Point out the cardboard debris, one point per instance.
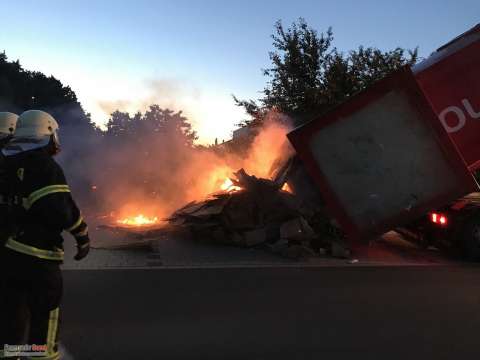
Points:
(259, 215)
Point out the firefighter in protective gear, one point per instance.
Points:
(8, 122)
(43, 208)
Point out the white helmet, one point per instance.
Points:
(36, 124)
(8, 122)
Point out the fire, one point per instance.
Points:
(139, 220)
(287, 188)
(207, 171)
(269, 145)
(229, 186)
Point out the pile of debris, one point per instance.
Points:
(253, 212)
(256, 212)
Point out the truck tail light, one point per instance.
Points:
(439, 219)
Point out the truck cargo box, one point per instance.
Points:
(382, 158)
(450, 78)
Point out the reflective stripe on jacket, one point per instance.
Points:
(48, 207)
(33, 251)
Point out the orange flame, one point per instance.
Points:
(287, 188)
(229, 187)
(139, 220)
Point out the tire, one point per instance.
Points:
(471, 238)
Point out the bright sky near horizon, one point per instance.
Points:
(193, 55)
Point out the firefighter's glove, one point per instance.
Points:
(83, 247)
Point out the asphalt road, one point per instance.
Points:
(273, 313)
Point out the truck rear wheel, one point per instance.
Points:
(471, 238)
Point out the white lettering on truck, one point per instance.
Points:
(470, 110)
(461, 118)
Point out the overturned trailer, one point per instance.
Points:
(393, 154)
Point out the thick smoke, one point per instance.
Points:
(122, 180)
(168, 93)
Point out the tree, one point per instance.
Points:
(155, 122)
(141, 137)
(119, 124)
(309, 75)
(21, 90)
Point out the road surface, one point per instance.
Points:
(338, 312)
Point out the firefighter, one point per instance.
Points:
(8, 122)
(43, 207)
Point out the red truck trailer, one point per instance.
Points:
(401, 154)
(450, 79)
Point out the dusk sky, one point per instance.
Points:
(192, 55)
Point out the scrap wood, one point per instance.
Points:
(259, 215)
(281, 172)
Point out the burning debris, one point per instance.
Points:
(254, 212)
(139, 220)
(250, 212)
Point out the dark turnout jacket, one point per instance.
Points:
(3, 170)
(44, 205)
(4, 220)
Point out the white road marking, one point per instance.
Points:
(345, 264)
